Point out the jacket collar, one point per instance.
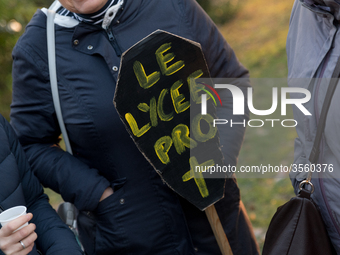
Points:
(323, 7)
(130, 10)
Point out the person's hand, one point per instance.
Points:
(22, 241)
(107, 192)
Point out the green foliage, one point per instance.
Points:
(16, 13)
(206, 4)
(220, 11)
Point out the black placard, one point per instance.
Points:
(154, 100)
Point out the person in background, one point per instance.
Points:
(125, 208)
(19, 186)
(313, 49)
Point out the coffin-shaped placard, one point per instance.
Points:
(159, 101)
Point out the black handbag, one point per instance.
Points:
(297, 227)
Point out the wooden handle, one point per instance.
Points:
(218, 230)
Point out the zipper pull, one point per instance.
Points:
(113, 41)
(110, 34)
(108, 17)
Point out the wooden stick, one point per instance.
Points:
(218, 230)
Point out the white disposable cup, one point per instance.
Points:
(12, 214)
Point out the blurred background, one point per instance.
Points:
(256, 30)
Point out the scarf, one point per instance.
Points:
(95, 18)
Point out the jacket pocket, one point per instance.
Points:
(111, 237)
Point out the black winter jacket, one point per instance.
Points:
(143, 216)
(19, 186)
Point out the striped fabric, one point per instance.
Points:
(94, 18)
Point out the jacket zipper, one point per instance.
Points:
(1, 209)
(113, 41)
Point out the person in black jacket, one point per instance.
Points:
(19, 186)
(124, 206)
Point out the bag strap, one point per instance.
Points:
(313, 158)
(314, 155)
(53, 76)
